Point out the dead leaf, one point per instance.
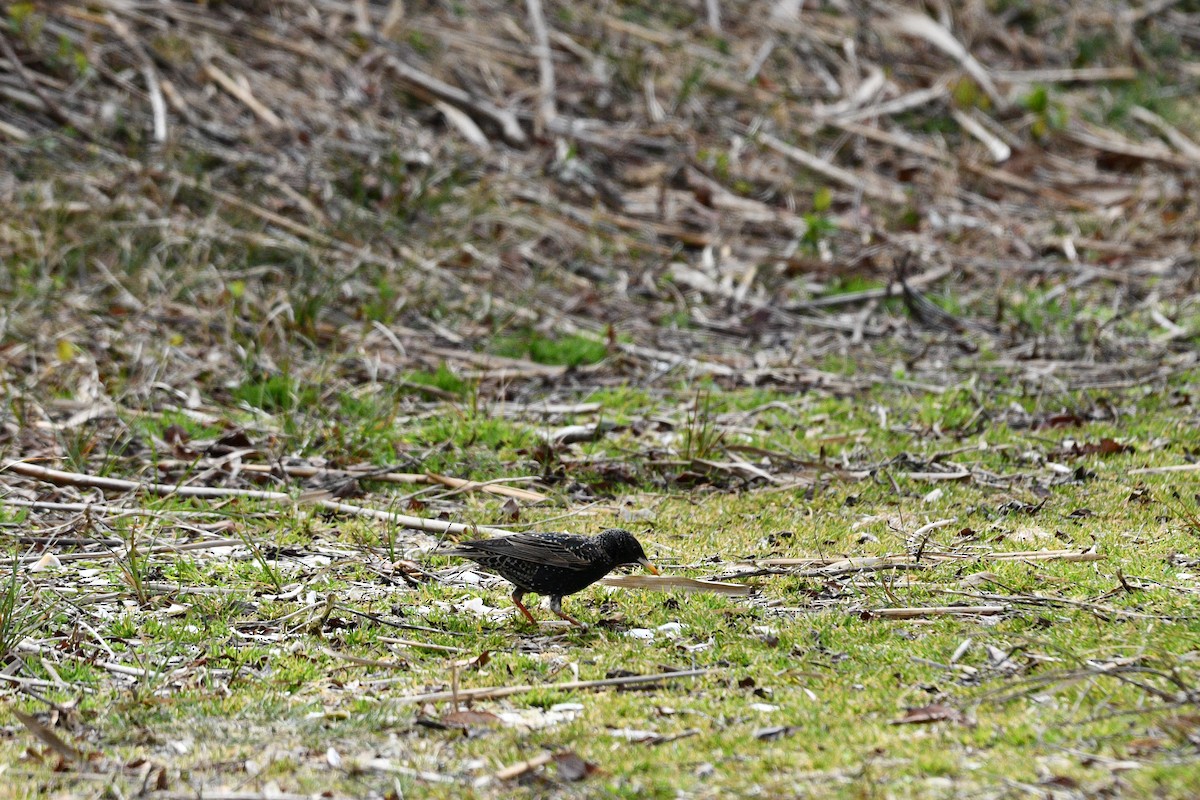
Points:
(935, 712)
(47, 736)
(573, 768)
(478, 661)
(1107, 447)
(236, 439)
(976, 578)
(511, 510)
(1140, 494)
(409, 568)
(1060, 421)
(613, 620)
(1147, 745)
(1104, 447)
(48, 561)
(1019, 506)
(176, 435)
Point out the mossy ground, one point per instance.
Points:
(1086, 679)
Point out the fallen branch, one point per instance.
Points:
(523, 767)
(1164, 470)
(508, 691)
(367, 662)
(442, 648)
(1102, 611)
(97, 555)
(859, 564)
(158, 107)
(1065, 75)
(934, 611)
(878, 293)
(1106, 141)
(668, 583)
(546, 106)
(897, 105)
(243, 95)
(999, 150)
(61, 478)
(920, 25)
(873, 186)
(938, 476)
(1046, 555)
(304, 471)
(409, 74)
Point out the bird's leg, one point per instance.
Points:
(556, 607)
(516, 598)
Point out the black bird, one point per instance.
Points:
(554, 564)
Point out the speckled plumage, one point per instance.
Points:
(554, 564)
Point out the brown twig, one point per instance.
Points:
(541, 36)
(508, 691)
(61, 478)
(495, 486)
(913, 612)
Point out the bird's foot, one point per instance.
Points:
(556, 607)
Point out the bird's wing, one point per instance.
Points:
(526, 547)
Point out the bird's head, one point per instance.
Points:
(625, 548)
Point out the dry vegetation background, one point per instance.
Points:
(249, 211)
(219, 183)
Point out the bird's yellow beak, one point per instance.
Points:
(645, 562)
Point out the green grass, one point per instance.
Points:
(443, 378)
(801, 655)
(569, 351)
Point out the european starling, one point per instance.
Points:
(554, 564)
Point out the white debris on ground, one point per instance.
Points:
(668, 630)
